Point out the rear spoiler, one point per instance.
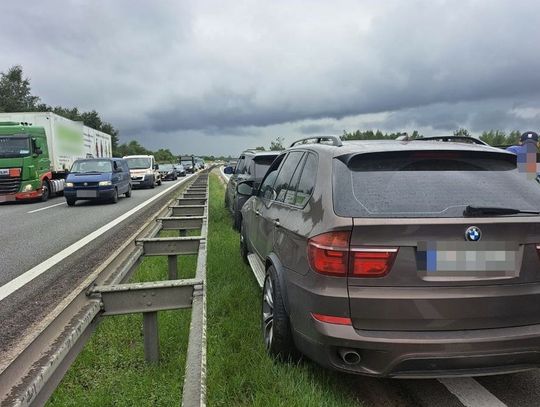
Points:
(351, 158)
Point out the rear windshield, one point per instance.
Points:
(430, 184)
(262, 163)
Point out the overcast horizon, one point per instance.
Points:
(217, 77)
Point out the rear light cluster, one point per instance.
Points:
(331, 254)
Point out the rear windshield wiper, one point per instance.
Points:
(472, 211)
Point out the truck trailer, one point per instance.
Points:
(37, 150)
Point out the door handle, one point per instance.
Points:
(276, 223)
(257, 213)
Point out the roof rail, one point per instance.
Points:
(336, 141)
(469, 139)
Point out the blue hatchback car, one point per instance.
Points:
(97, 179)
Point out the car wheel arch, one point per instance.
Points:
(273, 260)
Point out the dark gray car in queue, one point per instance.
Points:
(251, 166)
(397, 258)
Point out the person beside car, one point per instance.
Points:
(526, 152)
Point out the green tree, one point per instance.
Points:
(277, 144)
(164, 156)
(377, 135)
(15, 91)
(462, 132)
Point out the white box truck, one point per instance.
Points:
(38, 149)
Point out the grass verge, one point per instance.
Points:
(111, 370)
(239, 371)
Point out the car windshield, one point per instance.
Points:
(14, 146)
(430, 184)
(138, 163)
(187, 162)
(91, 166)
(166, 167)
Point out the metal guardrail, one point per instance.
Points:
(32, 375)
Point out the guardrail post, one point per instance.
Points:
(173, 267)
(151, 337)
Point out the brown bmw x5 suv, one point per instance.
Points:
(397, 258)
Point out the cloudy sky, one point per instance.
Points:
(214, 77)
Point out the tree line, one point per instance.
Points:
(492, 137)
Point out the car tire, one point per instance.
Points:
(128, 193)
(114, 199)
(45, 191)
(275, 326)
(70, 202)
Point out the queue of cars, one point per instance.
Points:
(396, 258)
(105, 179)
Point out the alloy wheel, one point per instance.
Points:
(268, 312)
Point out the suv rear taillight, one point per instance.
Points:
(372, 261)
(331, 254)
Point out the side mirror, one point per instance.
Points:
(245, 188)
(228, 170)
(38, 151)
(156, 167)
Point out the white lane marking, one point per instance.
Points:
(46, 207)
(471, 393)
(9, 288)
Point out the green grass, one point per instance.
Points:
(239, 371)
(111, 370)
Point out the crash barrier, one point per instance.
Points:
(31, 377)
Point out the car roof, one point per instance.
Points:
(370, 146)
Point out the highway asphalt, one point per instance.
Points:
(33, 232)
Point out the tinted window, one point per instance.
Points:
(430, 184)
(267, 186)
(307, 181)
(285, 174)
(290, 191)
(262, 163)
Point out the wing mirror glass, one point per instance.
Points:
(228, 170)
(245, 188)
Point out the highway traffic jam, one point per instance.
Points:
(412, 263)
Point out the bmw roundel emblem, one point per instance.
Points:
(86, 184)
(473, 234)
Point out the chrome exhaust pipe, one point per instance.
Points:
(349, 356)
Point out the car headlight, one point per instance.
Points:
(69, 184)
(105, 183)
(28, 188)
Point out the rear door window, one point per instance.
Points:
(434, 183)
(285, 174)
(307, 181)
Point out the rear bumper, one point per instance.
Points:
(424, 354)
(400, 353)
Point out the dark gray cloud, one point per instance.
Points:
(218, 76)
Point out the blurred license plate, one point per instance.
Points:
(86, 194)
(455, 258)
(4, 171)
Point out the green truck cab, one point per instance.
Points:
(25, 167)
